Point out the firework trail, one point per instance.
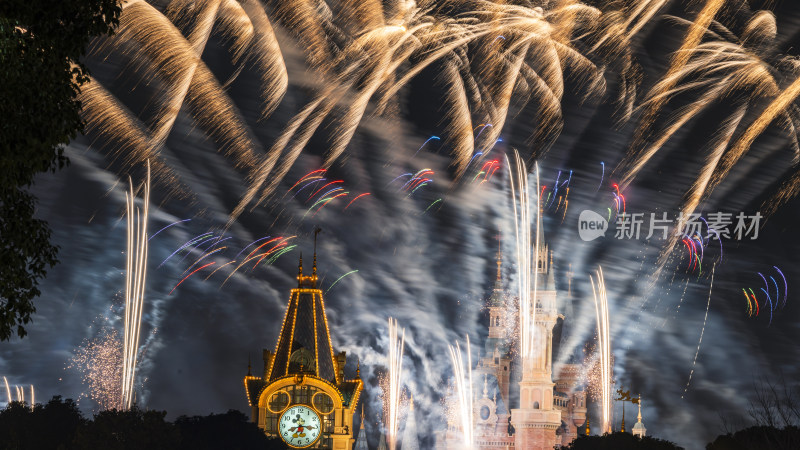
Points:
(395, 360)
(135, 281)
(603, 347)
(437, 138)
(340, 278)
(752, 299)
(356, 198)
(680, 58)
(522, 229)
(602, 175)
(745, 70)
(168, 226)
(464, 392)
(702, 331)
(20, 394)
(363, 52)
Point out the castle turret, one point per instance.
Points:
(639, 429)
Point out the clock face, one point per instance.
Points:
(299, 426)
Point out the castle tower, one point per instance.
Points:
(410, 440)
(361, 442)
(638, 428)
(303, 377)
(536, 420)
(571, 400)
(497, 360)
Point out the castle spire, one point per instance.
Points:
(300, 267)
(410, 440)
(638, 428)
(361, 441)
(497, 293)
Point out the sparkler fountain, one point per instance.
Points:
(395, 370)
(135, 278)
(603, 346)
(464, 393)
(20, 391)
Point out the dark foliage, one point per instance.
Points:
(758, 438)
(621, 441)
(59, 425)
(232, 430)
(41, 42)
(128, 430)
(775, 420)
(49, 426)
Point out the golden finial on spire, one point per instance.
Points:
(588, 430)
(358, 370)
(300, 266)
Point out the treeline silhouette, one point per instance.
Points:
(620, 441)
(60, 425)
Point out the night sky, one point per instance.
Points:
(431, 267)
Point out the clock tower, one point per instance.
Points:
(303, 381)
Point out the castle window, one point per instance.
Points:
(535, 405)
(278, 401)
(302, 394)
(271, 423)
(323, 402)
(485, 412)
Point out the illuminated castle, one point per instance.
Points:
(302, 395)
(523, 407)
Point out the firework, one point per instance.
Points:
(753, 307)
(716, 66)
(8, 390)
(392, 401)
(340, 278)
(702, 331)
(603, 347)
(135, 279)
(99, 360)
(20, 394)
(522, 228)
(463, 392)
(487, 54)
